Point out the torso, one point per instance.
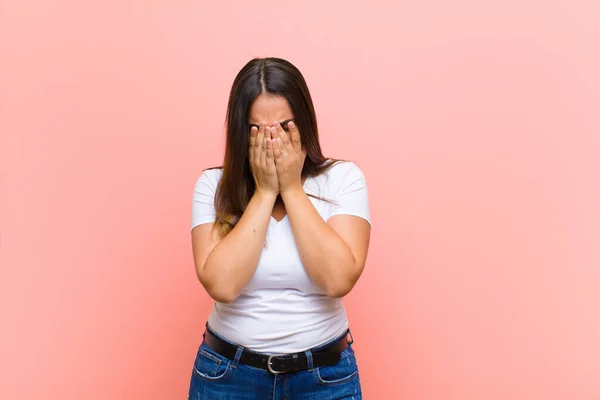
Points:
(281, 310)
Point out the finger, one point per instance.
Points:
(253, 133)
(269, 161)
(295, 136)
(263, 152)
(285, 139)
(277, 151)
(259, 142)
(282, 149)
(278, 130)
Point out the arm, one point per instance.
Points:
(225, 266)
(333, 253)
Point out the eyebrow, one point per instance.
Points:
(282, 123)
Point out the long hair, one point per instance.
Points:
(272, 76)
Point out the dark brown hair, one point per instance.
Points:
(262, 75)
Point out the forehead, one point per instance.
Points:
(269, 108)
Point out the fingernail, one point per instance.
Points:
(291, 124)
(276, 124)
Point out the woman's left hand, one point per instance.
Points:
(289, 157)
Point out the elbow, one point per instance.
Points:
(222, 297)
(344, 278)
(219, 292)
(337, 293)
(341, 286)
(339, 290)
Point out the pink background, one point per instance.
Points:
(476, 123)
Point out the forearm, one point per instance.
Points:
(327, 259)
(231, 264)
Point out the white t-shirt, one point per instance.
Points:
(281, 310)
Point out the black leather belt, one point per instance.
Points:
(278, 363)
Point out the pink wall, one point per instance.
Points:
(476, 123)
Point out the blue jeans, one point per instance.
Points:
(215, 377)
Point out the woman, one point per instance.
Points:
(280, 234)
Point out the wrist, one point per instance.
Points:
(265, 196)
(292, 191)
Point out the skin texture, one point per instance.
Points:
(333, 253)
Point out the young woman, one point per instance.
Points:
(280, 235)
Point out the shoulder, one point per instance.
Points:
(343, 170)
(210, 177)
(341, 177)
(208, 181)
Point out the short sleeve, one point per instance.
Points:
(352, 196)
(203, 199)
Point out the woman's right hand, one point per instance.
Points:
(262, 163)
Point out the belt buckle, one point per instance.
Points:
(270, 364)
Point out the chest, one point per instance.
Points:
(280, 265)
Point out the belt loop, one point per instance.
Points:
(238, 355)
(351, 341)
(309, 360)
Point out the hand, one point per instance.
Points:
(289, 157)
(261, 159)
